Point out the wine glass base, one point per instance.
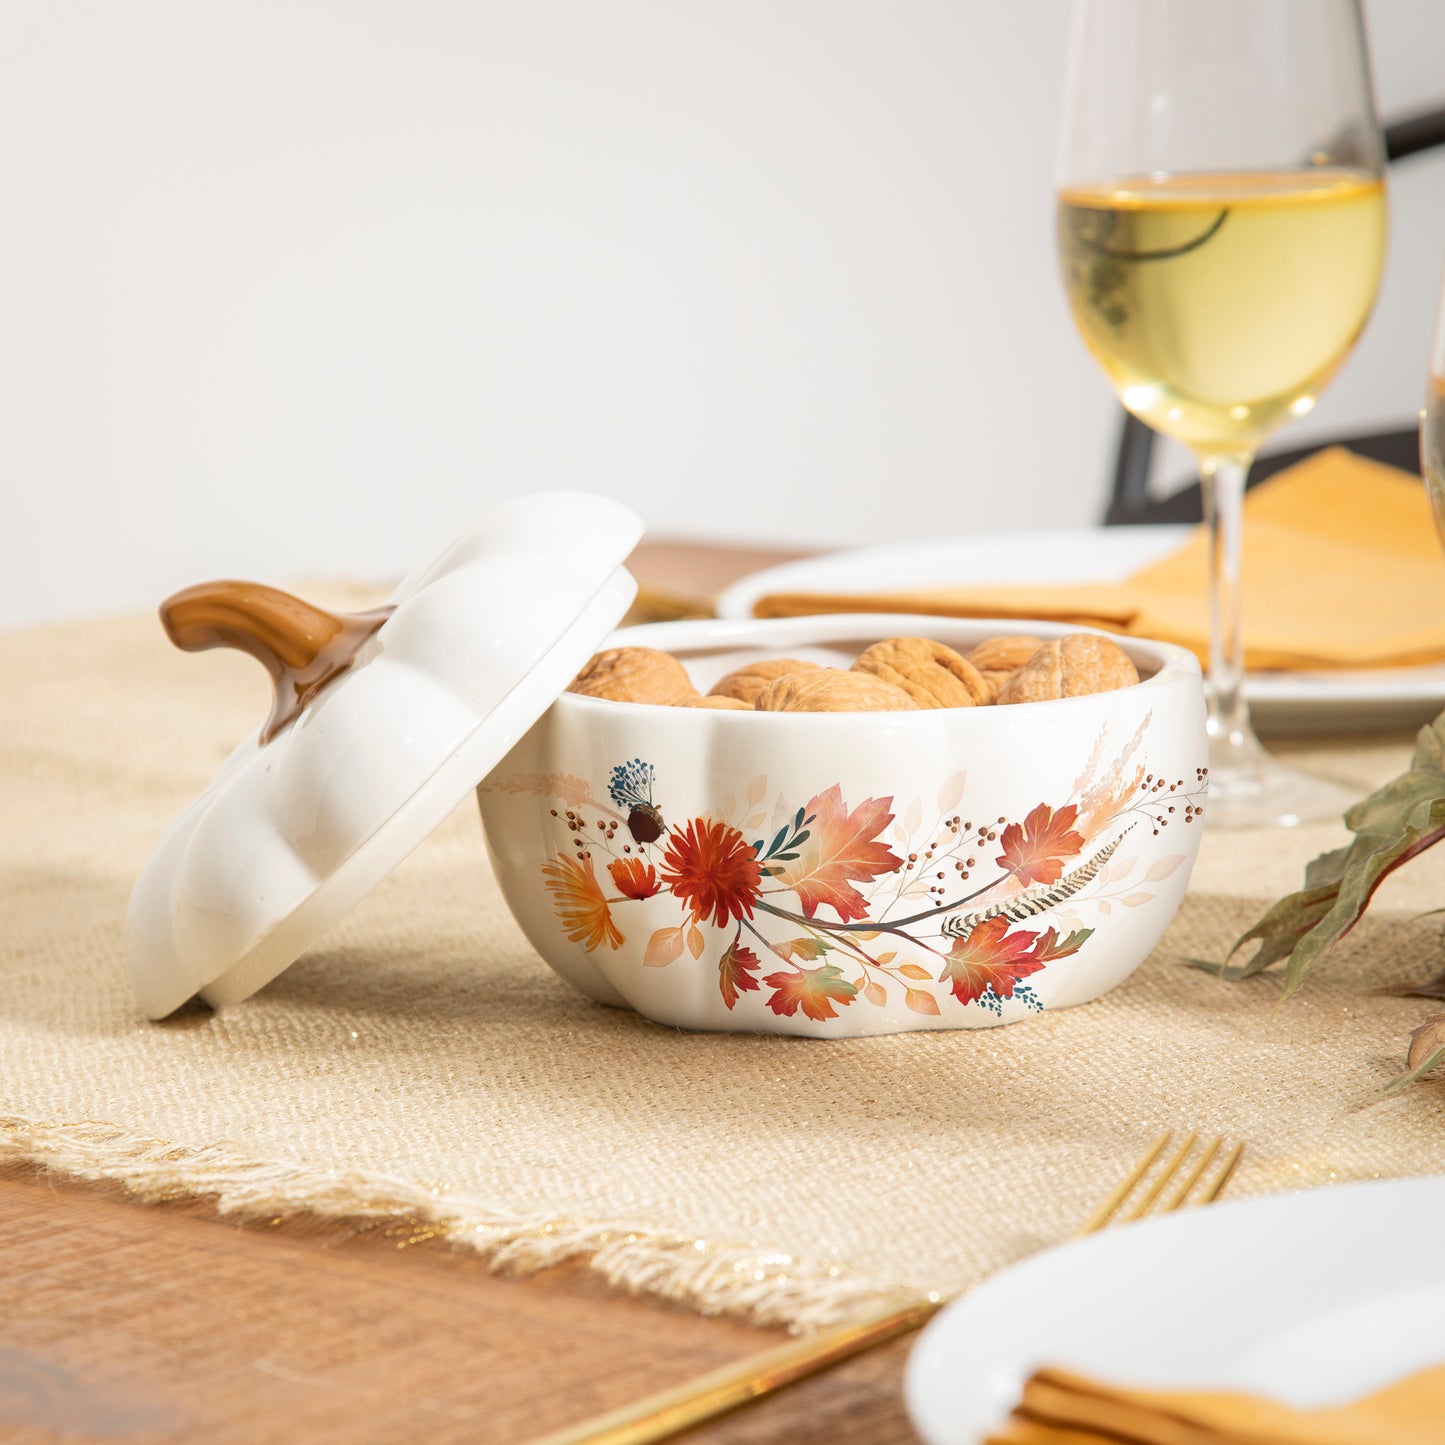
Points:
(1249, 789)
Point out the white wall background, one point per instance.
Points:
(305, 285)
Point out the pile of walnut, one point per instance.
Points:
(897, 675)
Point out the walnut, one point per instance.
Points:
(931, 673)
(830, 689)
(1070, 667)
(635, 674)
(730, 704)
(747, 681)
(1003, 654)
(998, 658)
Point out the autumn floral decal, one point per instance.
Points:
(835, 903)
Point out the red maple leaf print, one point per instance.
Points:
(737, 972)
(1034, 850)
(841, 849)
(814, 990)
(990, 957)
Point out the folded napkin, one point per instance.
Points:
(1342, 569)
(1059, 1408)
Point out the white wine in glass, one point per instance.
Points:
(1221, 230)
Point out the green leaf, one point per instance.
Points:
(1391, 826)
(1427, 1051)
(1415, 1075)
(1280, 930)
(1327, 868)
(1379, 855)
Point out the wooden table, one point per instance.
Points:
(161, 1323)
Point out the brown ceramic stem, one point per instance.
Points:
(302, 646)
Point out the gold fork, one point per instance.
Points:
(669, 1412)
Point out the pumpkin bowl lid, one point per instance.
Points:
(382, 724)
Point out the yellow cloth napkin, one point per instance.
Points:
(1342, 569)
(1059, 1408)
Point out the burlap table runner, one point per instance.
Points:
(423, 1062)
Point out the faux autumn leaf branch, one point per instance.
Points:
(1391, 826)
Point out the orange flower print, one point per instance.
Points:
(634, 878)
(578, 900)
(714, 870)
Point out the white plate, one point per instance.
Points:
(1312, 1299)
(1280, 701)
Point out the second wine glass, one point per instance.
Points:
(1222, 227)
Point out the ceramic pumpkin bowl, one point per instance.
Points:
(841, 874)
(823, 874)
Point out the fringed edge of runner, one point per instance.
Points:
(762, 1286)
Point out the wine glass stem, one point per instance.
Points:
(1222, 484)
(1246, 785)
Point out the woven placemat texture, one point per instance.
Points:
(423, 1062)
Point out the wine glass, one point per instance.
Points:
(1221, 228)
(1432, 422)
